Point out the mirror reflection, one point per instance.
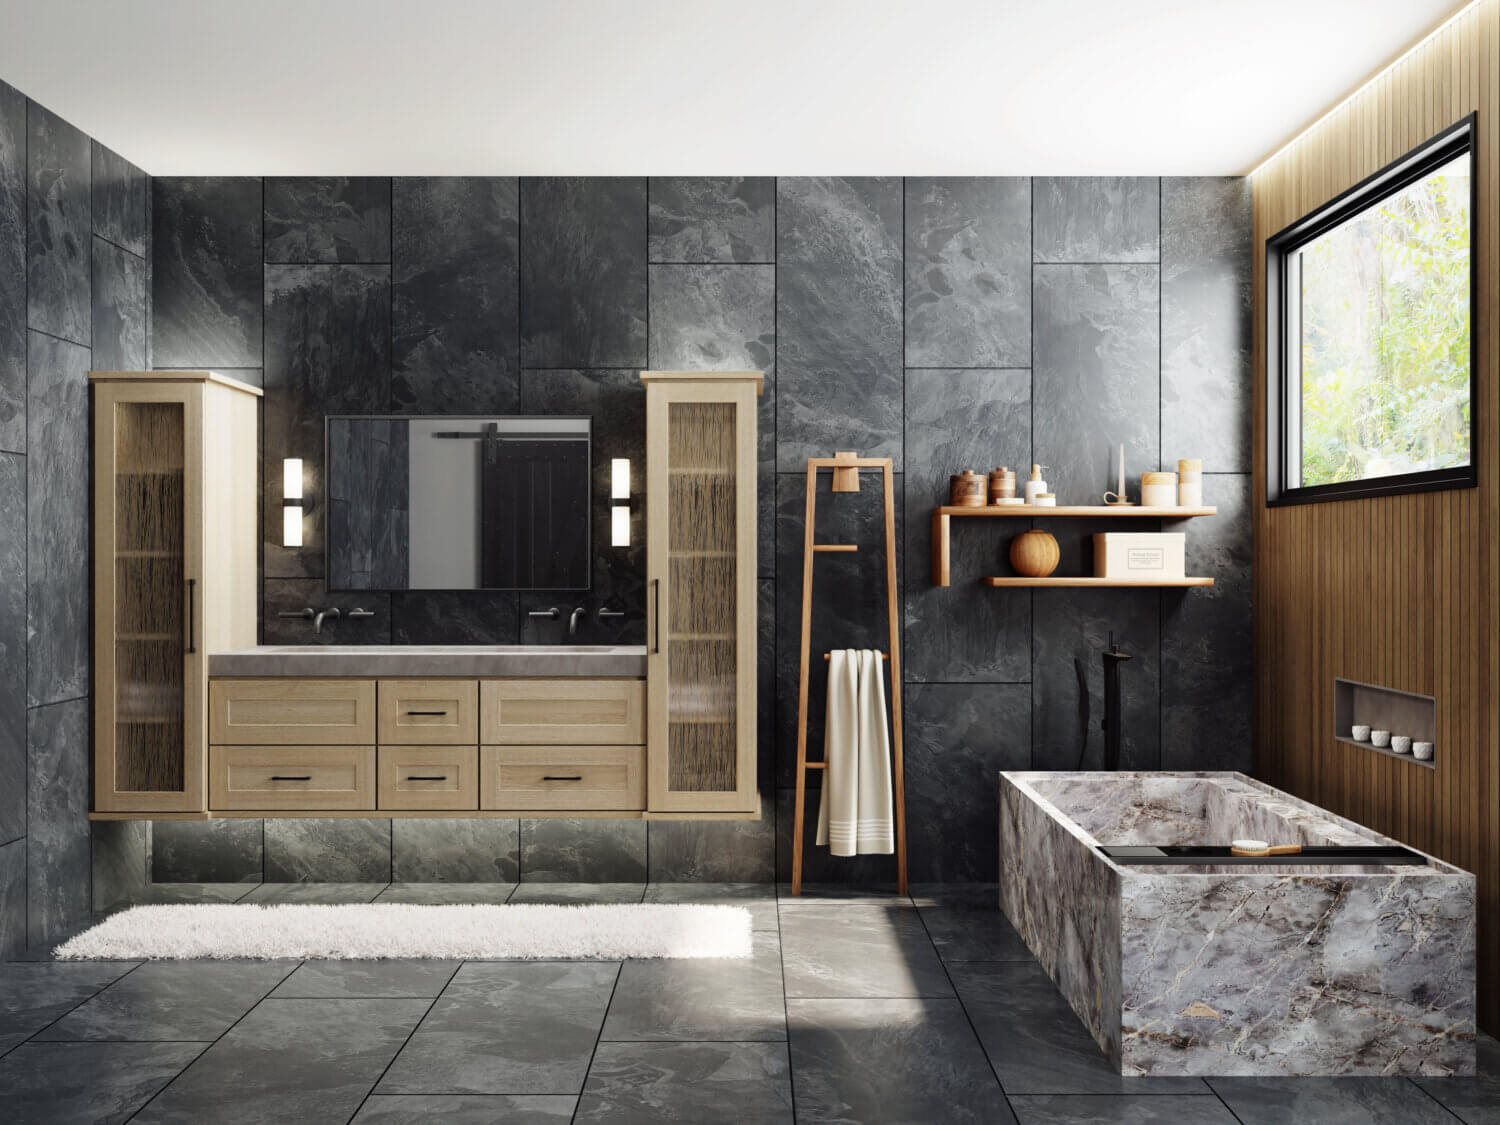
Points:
(458, 503)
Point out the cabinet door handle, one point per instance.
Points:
(192, 614)
(291, 777)
(426, 777)
(656, 615)
(427, 712)
(560, 777)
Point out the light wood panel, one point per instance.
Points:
(292, 712)
(1398, 591)
(568, 711)
(424, 712)
(175, 575)
(427, 777)
(701, 591)
(301, 778)
(562, 777)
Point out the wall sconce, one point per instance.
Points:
(619, 492)
(293, 505)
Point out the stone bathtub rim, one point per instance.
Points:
(1021, 780)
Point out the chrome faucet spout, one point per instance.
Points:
(578, 611)
(324, 615)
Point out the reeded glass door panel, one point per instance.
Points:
(150, 592)
(701, 602)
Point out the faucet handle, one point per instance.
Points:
(607, 614)
(307, 613)
(551, 614)
(359, 612)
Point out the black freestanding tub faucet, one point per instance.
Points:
(1112, 724)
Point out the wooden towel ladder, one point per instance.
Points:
(845, 467)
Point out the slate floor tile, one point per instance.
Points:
(1329, 1101)
(828, 894)
(965, 923)
(708, 999)
(172, 1000)
(508, 1027)
(100, 1083)
(758, 898)
(1033, 1039)
(890, 1061)
(644, 1083)
(1475, 1100)
(1123, 1109)
(465, 1109)
(442, 894)
(34, 993)
(327, 893)
(849, 951)
(394, 979)
(290, 1060)
(578, 894)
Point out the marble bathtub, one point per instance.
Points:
(1233, 970)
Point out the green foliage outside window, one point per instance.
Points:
(1385, 336)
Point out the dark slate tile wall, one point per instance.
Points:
(946, 323)
(12, 270)
(74, 233)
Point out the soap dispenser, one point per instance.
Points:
(1035, 485)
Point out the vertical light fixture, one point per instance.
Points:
(292, 503)
(619, 492)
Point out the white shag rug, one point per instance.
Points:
(369, 931)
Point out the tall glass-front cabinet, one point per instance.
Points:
(700, 597)
(175, 497)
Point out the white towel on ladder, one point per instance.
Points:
(854, 812)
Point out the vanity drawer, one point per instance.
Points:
(568, 712)
(428, 712)
(562, 777)
(291, 712)
(428, 777)
(291, 777)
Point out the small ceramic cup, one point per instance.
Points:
(1421, 751)
(1380, 738)
(1401, 743)
(1359, 733)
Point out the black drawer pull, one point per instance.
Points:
(291, 777)
(427, 712)
(558, 777)
(426, 777)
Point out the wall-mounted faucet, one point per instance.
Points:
(318, 616)
(578, 611)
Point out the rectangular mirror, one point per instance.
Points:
(457, 503)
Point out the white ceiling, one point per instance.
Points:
(615, 87)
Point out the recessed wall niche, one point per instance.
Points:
(1400, 712)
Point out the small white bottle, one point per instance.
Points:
(1036, 485)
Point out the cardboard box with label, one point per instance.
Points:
(1140, 554)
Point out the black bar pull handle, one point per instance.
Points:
(291, 777)
(192, 614)
(426, 777)
(560, 777)
(655, 614)
(427, 712)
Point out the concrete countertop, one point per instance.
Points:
(431, 660)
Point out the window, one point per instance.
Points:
(1369, 319)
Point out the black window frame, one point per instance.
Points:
(1460, 138)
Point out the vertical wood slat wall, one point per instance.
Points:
(1402, 591)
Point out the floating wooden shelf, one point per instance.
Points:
(835, 548)
(1075, 511)
(1098, 583)
(943, 514)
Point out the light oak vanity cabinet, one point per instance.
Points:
(701, 599)
(175, 554)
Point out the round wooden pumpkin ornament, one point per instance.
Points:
(1034, 554)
